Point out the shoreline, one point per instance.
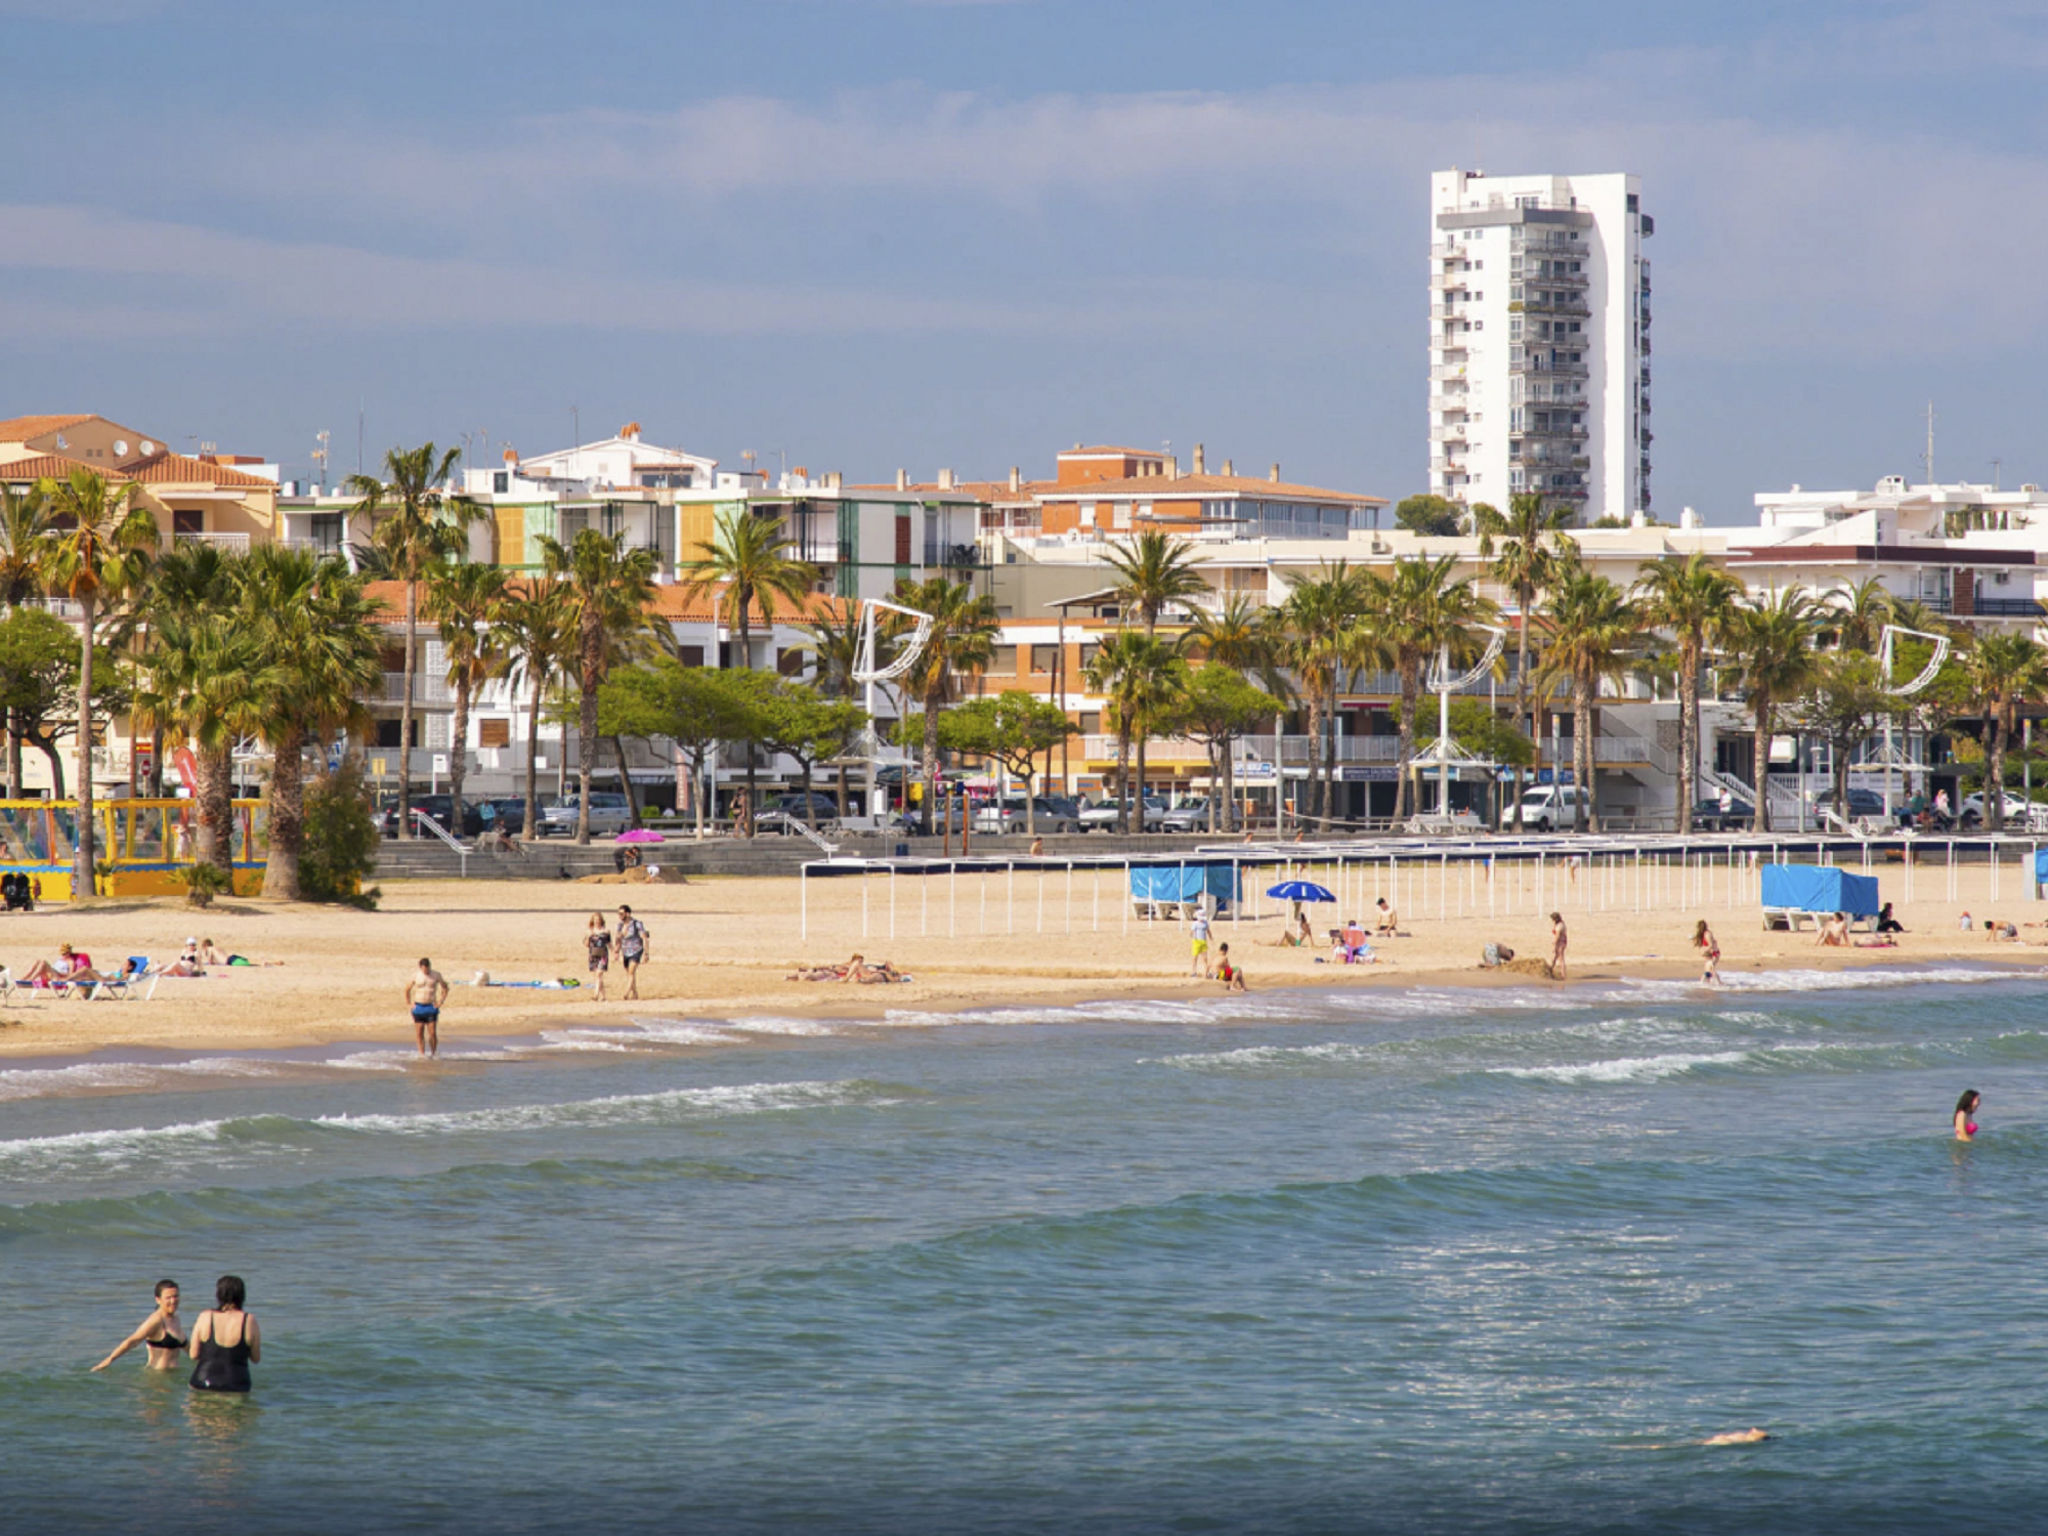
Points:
(339, 973)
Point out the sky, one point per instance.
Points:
(864, 234)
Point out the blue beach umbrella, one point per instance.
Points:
(1300, 890)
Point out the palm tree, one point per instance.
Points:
(415, 525)
(749, 555)
(1417, 612)
(2002, 672)
(1856, 615)
(1770, 639)
(203, 674)
(1318, 622)
(607, 591)
(1135, 674)
(24, 529)
(533, 631)
(1153, 572)
(1691, 597)
(1590, 625)
(962, 642)
(1534, 553)
(834, 645)
(1252, 638)
(463, 601)
(98, 551)
(316, 632)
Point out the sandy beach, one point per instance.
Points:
(724, 947)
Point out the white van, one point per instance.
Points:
(1545, 808)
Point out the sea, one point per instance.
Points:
(1388, 1259)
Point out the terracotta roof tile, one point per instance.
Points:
(53, 466)
(672, 602)
(177, 469)
(20, 429)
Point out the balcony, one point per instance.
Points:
(1447, 311)
(1541, 303)
(2009, 608)
(233, 543)
(1448, 371)
(427, 688)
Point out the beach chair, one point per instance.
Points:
(132, 975)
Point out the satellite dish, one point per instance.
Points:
(120, 447)
(148, 447)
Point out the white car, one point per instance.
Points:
(1546, 808)
(609, 815)
(1107, 816)
(2018, 811)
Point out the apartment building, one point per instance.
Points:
(1539, 340)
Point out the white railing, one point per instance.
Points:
(427, 688)
(237, 542)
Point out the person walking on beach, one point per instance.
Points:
(1559, 938)
(425, 994)
(1966, 1114)
(1198, 935)
(1709, 947)
(632, 942)
(225, 1340)
(160, 1333)
(597, 944)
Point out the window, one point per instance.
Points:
(494, 731)
(789, 662)
(1004, 662)
(690, 655)
(1091, 723)
(501, 481)
(187, 522)
(1043, 658)
(903, 538)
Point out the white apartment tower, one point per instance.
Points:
(1539, 350)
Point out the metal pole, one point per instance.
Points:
(803, 886)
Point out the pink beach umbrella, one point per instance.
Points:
(640, 835)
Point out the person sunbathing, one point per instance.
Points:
(69, 968)
(880, 971)
(1387, 920)
(1834, 931)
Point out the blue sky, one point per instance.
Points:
(858, 234)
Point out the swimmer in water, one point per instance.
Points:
(160, 1332)
(1966, 1114)
(1732, 1437)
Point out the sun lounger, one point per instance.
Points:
(132, 975)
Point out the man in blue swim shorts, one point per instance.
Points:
(425, 993)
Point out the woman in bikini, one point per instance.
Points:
(160, 1333)
(1709, 947)
(1966, 1114)
(1559, 939)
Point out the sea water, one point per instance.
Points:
(1386, 1259)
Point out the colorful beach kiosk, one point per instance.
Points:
(141, 846)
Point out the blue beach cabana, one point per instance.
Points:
(1155, 886)
(1794, 892)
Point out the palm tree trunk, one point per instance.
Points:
(1761, 748)
(626, 781)
(412, 659)
(931, 769)
(747, 663)
(220, 810)
(49, 751)
(1312, 787)
(1330, 760)
(82, 886)
(1586, 731)
(592, 662)
(287, 816)
(530, 823)
(1523, 597)
(1135, 808)
(1688, 733)
(14, 754)
(1994, 772)
(458, 754)
(1123, 772)
(1411, 699)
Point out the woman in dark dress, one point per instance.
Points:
(225, 1341)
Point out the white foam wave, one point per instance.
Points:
(1627, 1069)
(118, 1145)
(618, 1109)
(85, 1077)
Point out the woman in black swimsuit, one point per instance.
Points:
(163, 1338)
(225, 1341)
(597, 942)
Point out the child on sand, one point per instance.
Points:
(1227, 973)
(1559, 938)
(1709, 947)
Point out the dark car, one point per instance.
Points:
(1707, 815)
(442, 809)
(1862, 803)
(784, 809)
(507, 816)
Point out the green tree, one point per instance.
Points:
(319, 653)
(694, 707)
(205, 673)
(1218, 706)
(1321, 630)
(1416, 612)
(1479, 729)
(607, 590)
(415, 525)
(1013, 728)
(1855, 616)
(1692, 598)
(465, 602)
(1533, 553)
(961, 643)
(341, 837)
(1770, 643)
(749, 556)
(98, 552)
(2002, 672)
(39, 686)
(1154, 571)
(1843, 705)
(1592, 626)
(1137, 677)
(1430, 515)
(533, 633)
(834, 644)
(797, 721)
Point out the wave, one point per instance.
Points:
(124, 1146)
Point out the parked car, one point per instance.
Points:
(785, 810)
(2018, 811)
(1864, 804)
(509, 815)
(1460, 820)
(609, 815)
(1707, 815)
(442, 809)
(1545, 808)
(1193, 816)
(1049, 813)
(1107, 815)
